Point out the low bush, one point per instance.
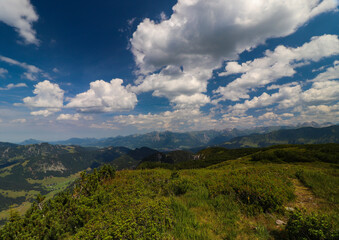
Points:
(259, 190)
(313, 226)
(322, 183)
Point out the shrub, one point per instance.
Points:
(310, 227)
(179, 186)
(259, 190)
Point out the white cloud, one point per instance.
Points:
(268, 116)
(48, 95)
(274, 65)
(11, 86)
(325, 91)
(3, 72)
(20, 120)
(201, 34)
(32, 71)
(73, 117)
(325, 87)
(104, 97)
(185, 101)
(21, 15)
(319, 113)
(239, 121)
(274, 86)
(29, 76)
(177, 120)
(331, 73)
(287, 115)
(28, 67)
(286, 97)
(318, 102)
(45, 112)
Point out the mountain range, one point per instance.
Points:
(168, 141)
(305, 135)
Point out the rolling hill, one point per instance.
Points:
(304, 135)
(43, 168)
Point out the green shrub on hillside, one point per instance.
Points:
(299, 153)
(258, 190)
(322, 184)
(313, 226)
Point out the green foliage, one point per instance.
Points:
(185, 160)
(258, 190)
(310, 226)
(299, 153)
(64, 214)
(323, 184)
(179, 186)
(186, 225)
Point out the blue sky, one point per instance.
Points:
(84, 69)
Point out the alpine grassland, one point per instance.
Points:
(280, 192)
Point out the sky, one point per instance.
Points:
(84, 69)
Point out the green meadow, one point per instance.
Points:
(255, 196)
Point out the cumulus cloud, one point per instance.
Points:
(268, 116)
(185, 101)
(20, 14)
(239, 121)
(11, 86)
(32, 71)
(185, 48)
(73, 117)
(331, 73)
(48, 95)
(318, 113)
(325, 87)
(324, 91)
(286, 97)
(45, 112)
(104, 97)
(318, 101)
(274, 65)
(177, 120)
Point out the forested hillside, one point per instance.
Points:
(42, 168)
(280, 192)
(305, 135)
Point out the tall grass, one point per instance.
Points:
(322, 184)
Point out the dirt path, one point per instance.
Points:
(304, 197)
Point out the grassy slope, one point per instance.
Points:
(236, 199)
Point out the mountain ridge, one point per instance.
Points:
(304, 135)
(169, 141)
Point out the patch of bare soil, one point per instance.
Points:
(304, 197)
